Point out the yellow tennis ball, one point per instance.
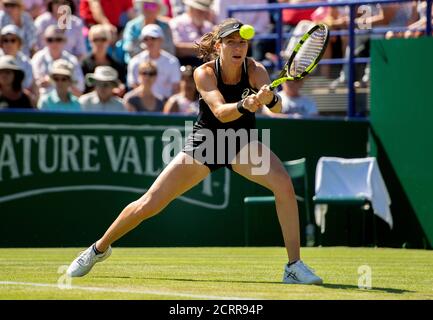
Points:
(247, 32)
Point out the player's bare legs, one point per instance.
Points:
(279, 182)
(177, 178)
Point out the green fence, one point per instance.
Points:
(64, 178)
(402, 134)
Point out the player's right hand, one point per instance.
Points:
(252, 103)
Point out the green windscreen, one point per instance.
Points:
(401, 123)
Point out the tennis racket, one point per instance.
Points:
(305, 56)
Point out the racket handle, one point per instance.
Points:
(270, 87)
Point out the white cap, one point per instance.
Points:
(151, 30)
(54, 31)
(11, 29)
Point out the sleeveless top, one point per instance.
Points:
(231, 93)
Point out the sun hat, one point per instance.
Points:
(62, 67)
(18, 2)
(53, 31)
(203, 5)
(8, 62)
(103, 74)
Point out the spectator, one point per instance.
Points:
(186, 101)
(11, 42)
(259, 19)
(115, 48)
(294, 104)
(417, 21)
(177, 7)
(61, 98)
(100, 37)
(291, 17)
(387, 15)
(188, 28)
(421, 23)
(167, 10)
(72, 26)
(167, 80)
(11, 78)
(105, 12)
(149, 10)
(102, 99)
(142, 98)
(14, 14)
(34, 7)
(43, 60)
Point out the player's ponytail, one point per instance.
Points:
(206, 46)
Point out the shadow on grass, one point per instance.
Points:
(373, 289)
(325, 285)
(192, 280)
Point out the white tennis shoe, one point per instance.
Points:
(300, 273)
(85, 262)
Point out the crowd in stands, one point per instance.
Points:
(139, 55)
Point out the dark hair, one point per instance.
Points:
(147, 65)
(17, 84)
(70, 3)
(206, 46)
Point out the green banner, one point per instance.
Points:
(65, 177)
(91, 157)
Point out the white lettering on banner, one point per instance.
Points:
(124, 157)
(88, 151)
(115, 157)
(42, 152)
(70, 146)
(7, 158)
(131, 157)
(50, 151)
(27, 140)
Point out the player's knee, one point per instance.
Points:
(147, 206)
(283, 187)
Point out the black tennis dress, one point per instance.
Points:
(207, 120)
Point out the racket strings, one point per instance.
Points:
(308, 53)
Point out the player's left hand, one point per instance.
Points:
(265, 95)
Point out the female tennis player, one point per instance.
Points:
(222, 83)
